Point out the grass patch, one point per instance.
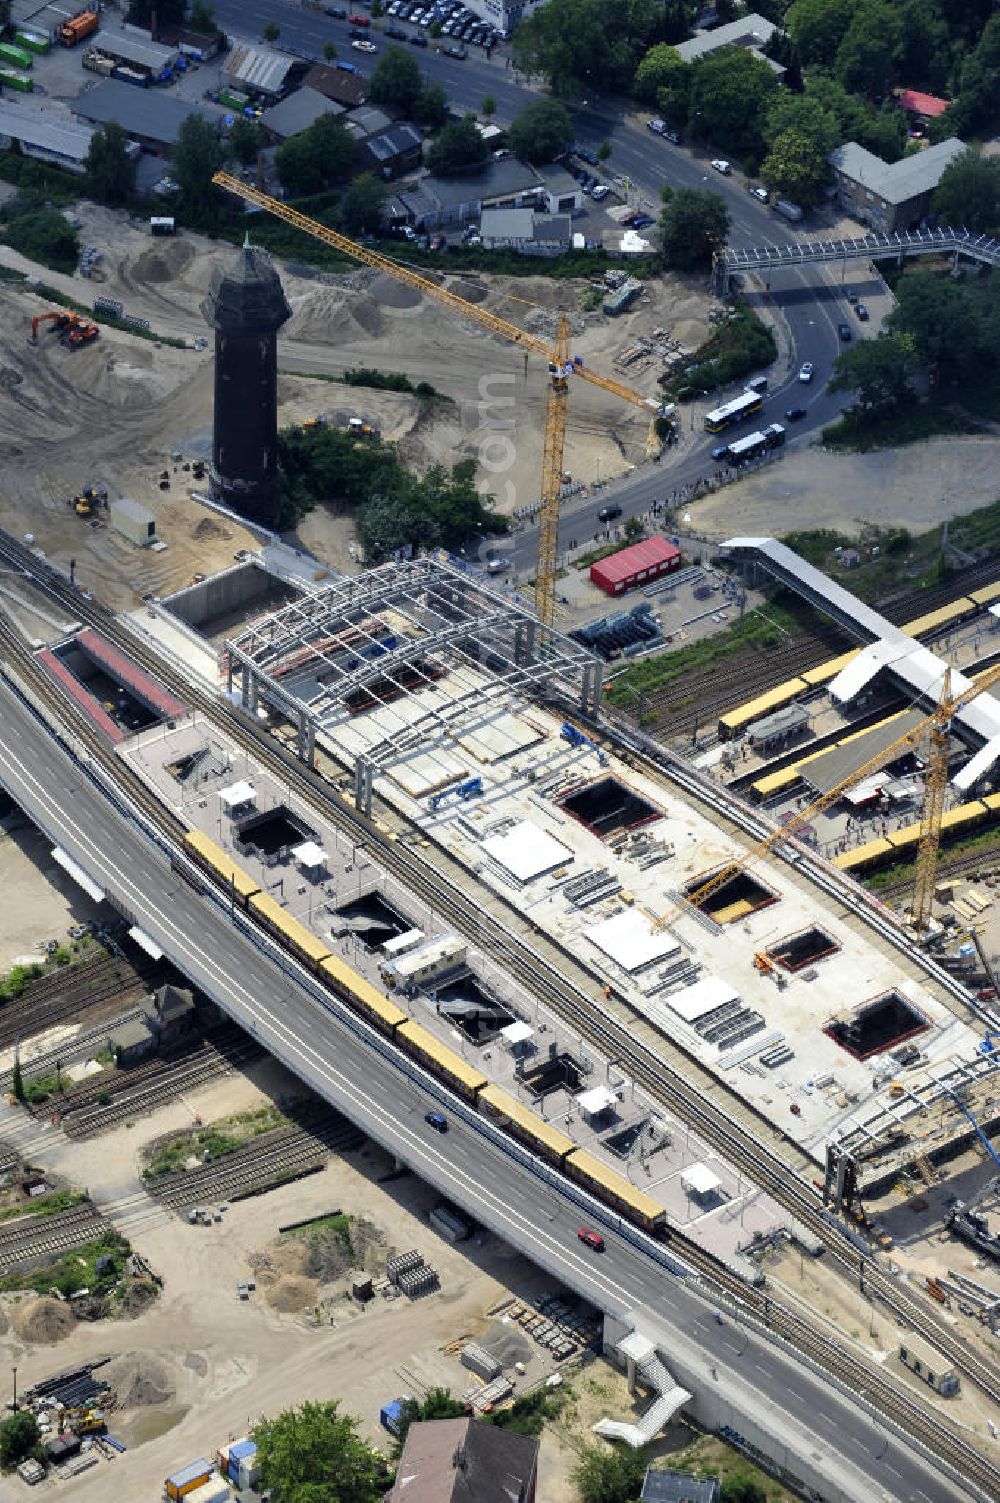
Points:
(44, 1205)
(737, 347)
(529, 1414)
(53, 295)
(338, 1225)
(77, 1269)
(36, 1091)
(904, 871)
(218, 1139)
(781, 618)
(379, 380)
(861, 433)
(594, 555)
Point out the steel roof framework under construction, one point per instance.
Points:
(369, 641)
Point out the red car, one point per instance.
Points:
(591, 1239)
(359, 20)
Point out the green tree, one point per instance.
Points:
(817, 28)
(731, 91)
(41, 233)
(541, 131)
(977, 108)
(245, 141)
(110, 169)
(19, 1437)
(329, 51)
(431, 108)
(693, 226)
(488, 107)
(579, 46)
(604, 151)
(869, 53)
(876, 370)
(927, 58)
(314, 1454)
(457, 147)
(397, 82)
(805, 114)
(739, 1488)
(197, 155)
(361, 205)
(202, 19)
(168, 12)
(436, 1404)
(656, 71)
(606, 1476)
(271, 32)
(968, 195)
(794, 166)
(945, 321)
(322, 154)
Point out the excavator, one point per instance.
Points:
(71, 328)
(90, 499)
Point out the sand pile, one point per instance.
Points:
(164, 262)
(43, 1321)
(326, 315)
(140, 1379)
(291, 1293)
(392, 294)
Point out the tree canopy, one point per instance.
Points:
(314, 1454)
(431, 108)
(322, 154)
(968, 195)
(457, 147)
(197, 156)
(583, 47)
(110, 169)
(245, 140)
(397, 82)
(694, 224)
(731, 91)
(19, 1437)
(876, 370)
(603, 1476)
(541, 131)
(361, 205)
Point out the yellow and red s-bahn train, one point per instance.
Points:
(520, 1123)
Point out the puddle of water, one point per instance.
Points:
(153, 1423)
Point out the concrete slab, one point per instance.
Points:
(630, 940)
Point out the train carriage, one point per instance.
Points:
(238, 883)
(359, 993)
(615, 1190)
(525, 1125)
(441, 1060)
(288, 930)
(735, 721)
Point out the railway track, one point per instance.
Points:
(33, 1012)
(146, 1089)
(32, 1239)
(665, 1083)
(276, 1157)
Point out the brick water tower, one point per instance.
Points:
(246, 306)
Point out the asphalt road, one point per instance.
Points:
(273, 1002)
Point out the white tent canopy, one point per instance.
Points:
(309, 855)
(237, 796)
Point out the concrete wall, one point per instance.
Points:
(243, 587)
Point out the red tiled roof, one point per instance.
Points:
(648, 554)
(928, 105)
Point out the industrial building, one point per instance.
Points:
(137, 50)
(636, 565)
(890, 196)
(154, 119)
(749, 31)
(297, 112)
(44, 136)
(260, 72)
(527, 232)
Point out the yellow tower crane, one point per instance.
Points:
(561, 367)
(936, 726)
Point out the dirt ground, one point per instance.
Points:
(118, 409)
(40, 901)
(917, 487)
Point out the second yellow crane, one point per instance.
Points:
(561, 368)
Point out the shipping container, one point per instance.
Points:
(180, 1484)
(19, 81)
(33, 41)
(18, 57)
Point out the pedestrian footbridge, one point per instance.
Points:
(764, 259)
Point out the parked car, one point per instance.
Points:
(591, 1239)
(760, 194)
(586, 155)
(416, 40)
(364, 46)
(844, 330)
(336, 11)
(460, 52)
(862, 312)
(721, 165)
(794, 414)
(806, 371)
(720, 452)
(609, 513)
(359, 20)
(641, 221)
(396, 33)
(852, 297)
(658, 127)
(600, 192)
(672, 135)
(439, 242)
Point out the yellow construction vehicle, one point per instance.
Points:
(86, 1422)
(561, 368)
(90, 500)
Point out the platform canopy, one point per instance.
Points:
(76, 871)
(517, 1033)
(698, 1179)
(598, 1099)
(238, 795)
(309, 855)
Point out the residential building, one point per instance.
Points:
(45, 136)
(751, 31)
(890, 196)
(465, 1461)
(525, 231)
(679, 1487)
(922, 107)
(151, 118)
(366, 120)
(348, 89)
(391, 152)
(562, 194)
(297, 112)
